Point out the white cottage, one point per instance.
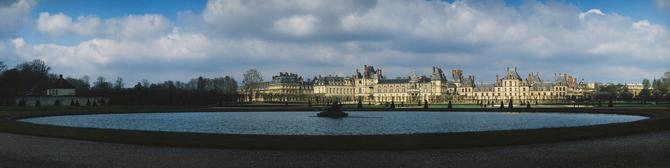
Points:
(61, 88)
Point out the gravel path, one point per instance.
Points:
(643, 150)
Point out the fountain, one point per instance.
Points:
(334, 111)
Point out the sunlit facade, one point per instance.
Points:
(371, 86)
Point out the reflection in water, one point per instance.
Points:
(305, 123)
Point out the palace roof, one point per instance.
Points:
(511, 74)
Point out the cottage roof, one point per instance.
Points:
(61, 84)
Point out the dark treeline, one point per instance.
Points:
(198, 92)
(34, 78)
(656, 90)
(29, 78)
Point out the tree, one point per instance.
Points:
(360, 103)
(37, 66)
(87, 80)
(145, 83)
(81, 85)
(102, 84)
(26, 78)
(645, 84)
(251, 81)
(138, 86)
(644, 95)
(3, 67)
(626, 95)
(118, 85)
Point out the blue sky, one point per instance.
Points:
(609, 41)
(109, 9)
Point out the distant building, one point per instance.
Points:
(61, 88)
(370, 85)
(334, 88)
(634, 88)
(59, 93)
(533, 89)
(284, 87)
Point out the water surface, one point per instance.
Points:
(306, 123)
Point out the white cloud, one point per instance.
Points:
(14, 15)
(591, 12)
(131, 27)
(297, 25)
(86, 25)
(137, 26)
(56, 24)
(18, 42)
(316, 37)
(244, 18)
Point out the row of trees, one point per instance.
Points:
(656, 90)
(27, 78)
(34, 78)
(198, 91)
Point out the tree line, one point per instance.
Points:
(33, 78)
(655, 90)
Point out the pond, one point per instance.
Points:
(306, 123)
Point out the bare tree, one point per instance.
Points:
(145, 83)
(101, 83)
(86, 79)
(119, 83)
(251, 81)
(37, 66)
(3, 67)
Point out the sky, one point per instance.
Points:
(619, 41)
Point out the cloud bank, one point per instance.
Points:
(14, 16)
(321, 37)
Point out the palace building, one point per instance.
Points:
(370, 85)
(511, 87)
(285, 87)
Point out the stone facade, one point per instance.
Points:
(370, 85)
(511, 87)
(334, 88)
(634, 88)
(285, 87)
